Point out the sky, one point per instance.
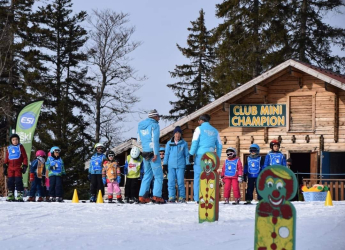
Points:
(160, 25)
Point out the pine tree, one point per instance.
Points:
(251, 39)
(62, 122)
(193, 87)
(311, 38)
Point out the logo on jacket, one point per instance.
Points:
(27, 120)
(209, 132)
(144, 132)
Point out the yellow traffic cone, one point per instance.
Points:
(75, 198)
(328, 201)
(99, 197)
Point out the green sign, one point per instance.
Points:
(257, 115)
(26, 125)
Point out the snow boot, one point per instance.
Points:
(158, 200)
(40, 199)
(110, 198)
(131, 201)
(171, 200)
(237, 201)
(52, 199)
(126, 200)
(31, 199)
(226, 201)
(10, 196)
(144, 200)
(20, 196)
(119, 199)
(46, 199)
(181, 200)
(135, 200)
(59, 199)
(247, 202)
(93, 198)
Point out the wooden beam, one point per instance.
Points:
(226, 107)
(336, 118)
(295, 73)
(265, 129)
(260, 90)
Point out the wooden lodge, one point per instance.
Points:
(311, 130)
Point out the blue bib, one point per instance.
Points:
(58, 165)
(254, 165)
(14, 152)
(276, 158)
(231, 167)
(96, 162)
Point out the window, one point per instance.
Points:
(301, 112)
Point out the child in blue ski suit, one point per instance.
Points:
(37, 177)
(275, 157)
(175, 160)
(56, 169)
(95, 172)
(252, 170)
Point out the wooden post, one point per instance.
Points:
(238, 145)
(265, 129)
(336, 118)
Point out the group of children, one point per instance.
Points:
(46, 173)
(232, 172)
(43, 173)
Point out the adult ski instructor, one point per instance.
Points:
(205, 139)
(148, 136)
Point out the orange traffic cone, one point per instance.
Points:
(328, 201)
(99, 197)
(75, 198)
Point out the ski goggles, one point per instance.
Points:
(99, 148)
(253, 150)
(111, 155)
(230, 154)
(57, 151)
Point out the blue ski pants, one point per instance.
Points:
(176, 174)
(197, 172)
(152, 169)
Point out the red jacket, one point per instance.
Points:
(238, 172)
(23, 159)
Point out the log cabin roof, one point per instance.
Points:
(327, 76)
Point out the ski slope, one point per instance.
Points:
(170, 226)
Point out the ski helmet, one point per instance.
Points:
(110, 153)
(231, 149)
(254, 147)
(55, 148)
(40, 153)
(14, 136)
(274, 142)
(135, 152)
(99, 145)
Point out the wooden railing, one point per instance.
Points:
(336, 186)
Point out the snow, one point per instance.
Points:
(170, 226)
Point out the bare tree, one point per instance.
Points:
(116, 81)
(5, 43)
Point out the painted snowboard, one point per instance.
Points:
(209, 188)
(275, 218)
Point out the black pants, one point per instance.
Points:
(96, 184)
(132, 188)
(250, 189)
(15, 182)
(55, 186)
(165, 194)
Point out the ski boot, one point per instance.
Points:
(46, 199)
(93, 198)
(10, 196)
(126, 200)
(248, 202)
(52, 199)
(119, 199)
(20, 196)
(181, 200)
(158, 200)
(59, 199)
(226, 201)
(135, 200)
(110, 198)
(40, 199)
(144, 200)
(171, 200)
(237, 201)
(31, 199)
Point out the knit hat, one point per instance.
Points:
(153, 113)
(205, 118)
(177, 129)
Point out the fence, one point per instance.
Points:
(336, 186)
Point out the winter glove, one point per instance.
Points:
(5, 166)
(24, 169)
(104, 180)
(32, 177)
(89, 177)
(240, 178)
(118, 179)
(165, 169)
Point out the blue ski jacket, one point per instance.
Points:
(176, 155)
(148, 135)
(96, 163)
(274, 158)
(253, 167)
(206, 139)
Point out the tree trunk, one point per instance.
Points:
(302, 33)
(256, 68)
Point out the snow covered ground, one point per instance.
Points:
(129, 226)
